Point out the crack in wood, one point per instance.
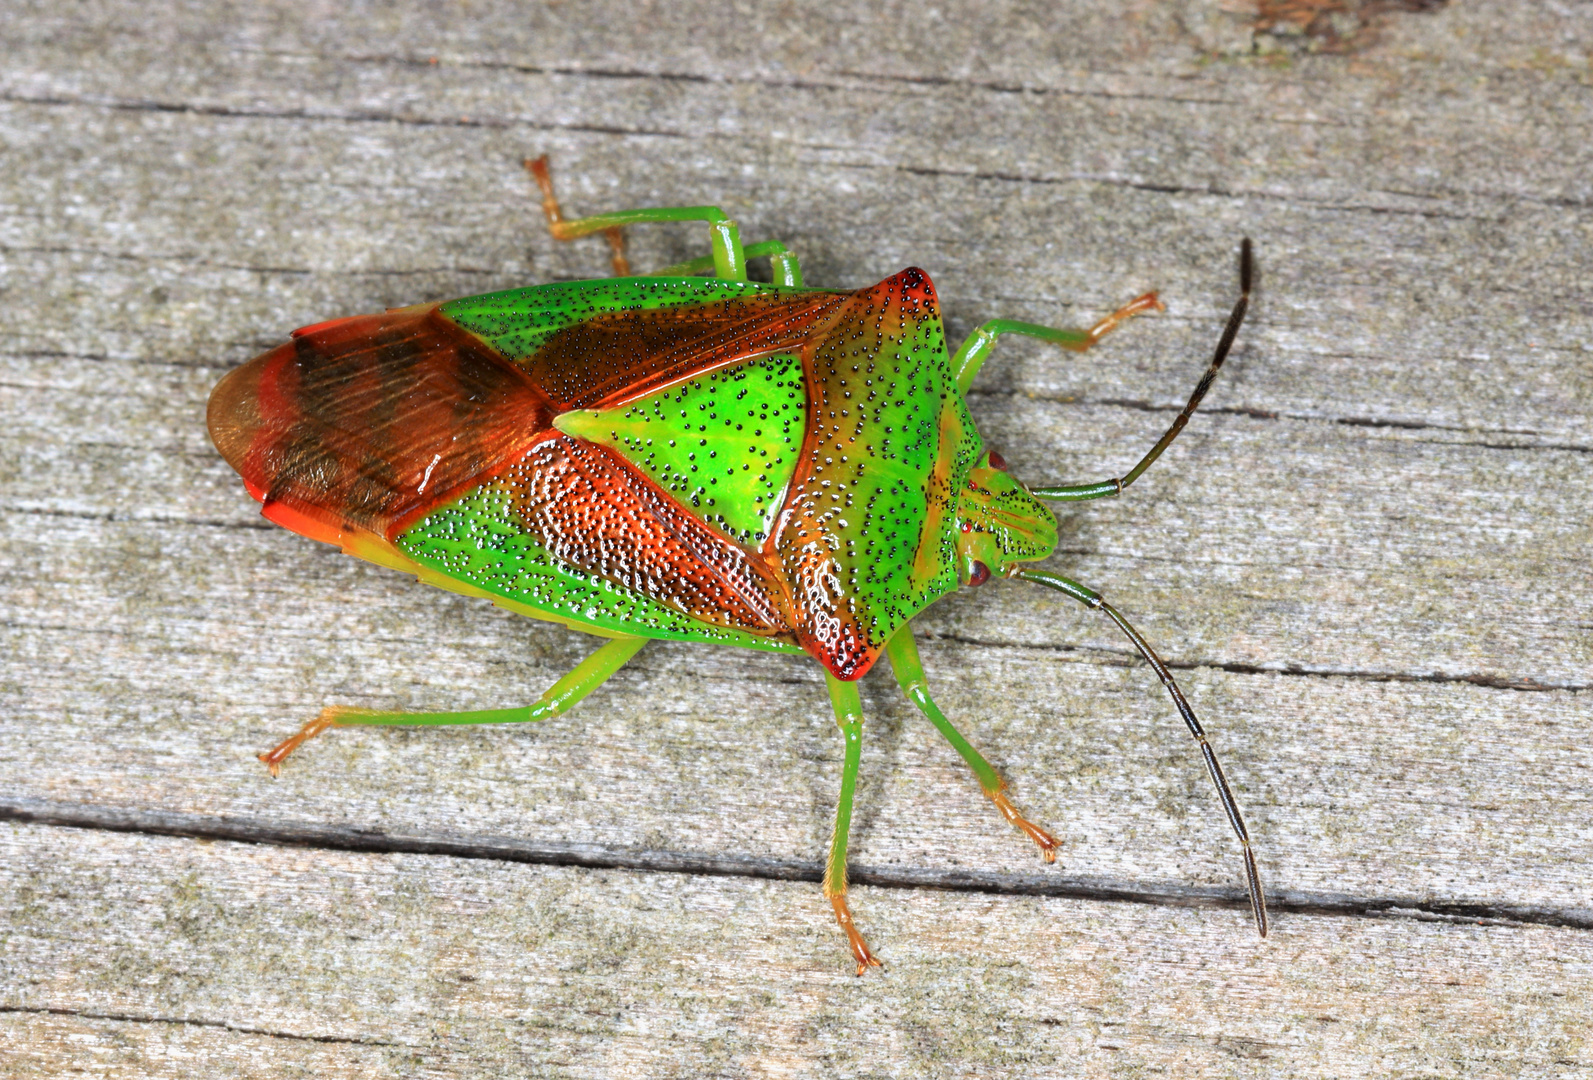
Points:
(223, 1025)
(364, 117)
(1213, 190)
(215, 264)
(651, 860)
(1112, 657)
(1140, 405)
(1132, 659)
(846, 81)
(112, 516)
(373, 116)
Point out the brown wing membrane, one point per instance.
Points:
(608, 359)
(368, 422)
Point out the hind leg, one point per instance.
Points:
(728, 261)
(588, 675)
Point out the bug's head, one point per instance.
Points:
(999, 524)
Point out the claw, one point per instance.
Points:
(1137, 306)
(860, 950)
(1048, 844)
(274, 757)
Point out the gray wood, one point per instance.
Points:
(243, 958)
(1366, 558)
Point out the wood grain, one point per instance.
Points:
(1366, 559)
(232, 957)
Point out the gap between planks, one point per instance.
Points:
(249, 830)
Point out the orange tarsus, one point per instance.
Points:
(274, 757)
(616, 240)
(539, 170)
(1048, 844)
(550, 202)
(1137, 306)
(860, 951)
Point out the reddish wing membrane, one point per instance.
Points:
(366, 423)
(369, 422)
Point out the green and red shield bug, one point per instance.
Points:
(705, 459)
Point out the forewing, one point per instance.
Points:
(589, 510)
(359, 429)
(364, 424)
(605, 343)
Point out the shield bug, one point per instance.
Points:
(669, 455)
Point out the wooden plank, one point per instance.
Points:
(153, 951)
(734, 753)
(1366, 558)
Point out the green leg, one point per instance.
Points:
(977, 349)
(1095, 602)
(1115, 486)
(909, 670)
(588, 675)
(781, 259)
(729, 260)
(849, 717)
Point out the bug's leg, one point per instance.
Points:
(782, 260)
(909, 671)
(849, 718)
(588, 675)
(729, 260)
(977, 349)
(559, 227)
(1094, 601)
(1115, 486)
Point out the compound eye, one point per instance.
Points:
(997, 461)
(979, 575)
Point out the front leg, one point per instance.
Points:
(1115, 486)
(976, 350)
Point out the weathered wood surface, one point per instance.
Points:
(1367, 557)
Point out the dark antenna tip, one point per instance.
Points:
(1094, 601)
(1247, 266)
(1258, 900)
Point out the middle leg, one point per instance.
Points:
(782, 261)
(909, 671)
(849, 718)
